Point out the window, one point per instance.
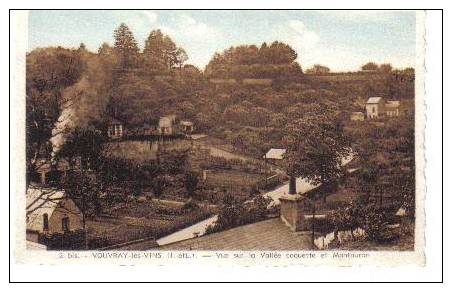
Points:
(65, 224)
(45, 222)
(373, 109)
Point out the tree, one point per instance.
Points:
(316, 146)
(83, 188)
(125, 46)
(158, 186)
(274, 61)
(191, 180)
(347, 218)
(386, 68)
(81, 184)
(282, 53)
(84, 143)
(231, 212)
(180, 56)
(371, 66)
(375, 221)
(161, 53)
(105, 50)
(82, 48)
(318, 69)
(49, 72)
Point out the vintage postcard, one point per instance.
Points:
(219, 137)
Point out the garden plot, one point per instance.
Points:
(141, 220)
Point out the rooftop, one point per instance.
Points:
(392, 104)
(275, 154)
(374, 100)
(41, 201)
(186, 123)
(271, 234)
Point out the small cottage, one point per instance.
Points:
(165, 126)
(49, 211)
(115, 129)
(187, 127)
(375, 107)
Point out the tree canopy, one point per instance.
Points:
(254, 62)
(316, 146)
(126, 47)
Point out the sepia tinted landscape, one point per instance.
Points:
(132, 144)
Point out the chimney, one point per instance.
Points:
(293, 207)
(43, 178)
(292, 185)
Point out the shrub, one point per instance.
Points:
(191, 182)
(158, 186)
(375, 221)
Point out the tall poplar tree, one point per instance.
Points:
(125, 46)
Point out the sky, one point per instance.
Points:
(341, 40)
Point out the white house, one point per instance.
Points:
(275, 154)
(49, 211)
(187, 126)
(374, 107)
(166, 123)
(392, 108)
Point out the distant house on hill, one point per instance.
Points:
(275, 154)
(377, 107)
(374, 107)
(115, 129)
(392, 108)
(187, 127)
(165, 126)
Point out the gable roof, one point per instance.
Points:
(186, 123)
(374, 100)
(40, 201)
(275, 154)
(271, 234)
(392, 104)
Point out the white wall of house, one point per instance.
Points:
(392, 113)
(165, 126)
(67, 209)
(372, 110)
